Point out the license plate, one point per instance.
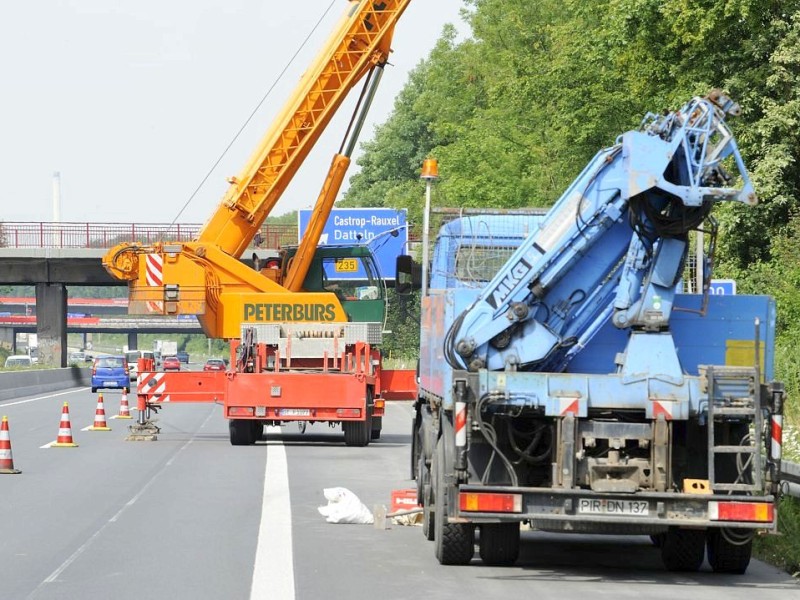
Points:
(110, 383)
(295, 412)
(597, 506)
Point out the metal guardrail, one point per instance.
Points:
(790, 475)
(106, 235)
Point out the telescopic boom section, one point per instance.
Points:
(361, 42)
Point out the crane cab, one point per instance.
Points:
(350, 272)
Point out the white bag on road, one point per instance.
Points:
(344, 507)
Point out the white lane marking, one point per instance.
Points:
(273, 572)
(44, 397)
(54, 575)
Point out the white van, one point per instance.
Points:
(18, 360)
(132, 357)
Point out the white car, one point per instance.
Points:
(18, 360)
(132, 358)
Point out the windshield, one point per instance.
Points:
(110, 362)
(352, 278)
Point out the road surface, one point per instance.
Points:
(190, 516)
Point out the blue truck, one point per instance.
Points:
(567, 382)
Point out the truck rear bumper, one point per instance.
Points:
(584, 510)
(269, 396)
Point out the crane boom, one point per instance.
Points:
(205, 277)
(359, 44)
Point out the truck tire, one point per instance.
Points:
(727, 557)
(499, 543)
(416, 450)
(683, 549)
(241, 432)
(424, 487)
(454, 543)
(377, 425)
(258, 431)
(358, 433)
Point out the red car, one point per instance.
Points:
(171, 363)
(214, 364)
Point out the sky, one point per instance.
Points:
(133, 101)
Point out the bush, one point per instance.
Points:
(783, 550)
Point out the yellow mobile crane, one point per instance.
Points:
(292, 330)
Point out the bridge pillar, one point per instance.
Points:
(7, 338)
(133, 340)
(51, 323)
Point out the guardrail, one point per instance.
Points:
(790, 475)
(14, 384)
(106, 235)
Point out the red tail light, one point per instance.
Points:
(759, 512)
(480, 502)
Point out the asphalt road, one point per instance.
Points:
(190, 516)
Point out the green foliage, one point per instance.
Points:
(289, 218)
(403, 323)
(783, 550)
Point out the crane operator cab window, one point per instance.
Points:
(355, 281)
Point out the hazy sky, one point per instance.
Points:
(133, 101)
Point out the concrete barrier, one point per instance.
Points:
(15, 384)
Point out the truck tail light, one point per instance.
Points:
(348, 412)
(759, 512)
(380, 404)
(486, 502)
(241, 411)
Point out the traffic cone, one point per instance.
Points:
(64, 439)
(100, 416)
(6, 458)
(124, 409)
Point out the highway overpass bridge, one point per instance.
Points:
(53, 256)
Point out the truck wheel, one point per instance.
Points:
(258, 431)
(424, 488)
(454, 543)
(241, 432)
(416, 450)
(358, 433)
(377, 425)
(499, 543)
(94, 390)
(683, 549)
(727, 556)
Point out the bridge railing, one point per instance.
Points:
(106, 235)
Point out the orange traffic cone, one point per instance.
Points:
(6, 458)
(100, 416)
(64, 439)
(124, 409)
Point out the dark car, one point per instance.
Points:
(171, 363)
(183, 356)
(110, 372)
(214, 364)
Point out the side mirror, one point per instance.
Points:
(408, 275)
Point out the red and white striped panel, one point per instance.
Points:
(461, 424)
(156, 393)
(777, 437)
(568, 405)
(664, 407)
(154, 266)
